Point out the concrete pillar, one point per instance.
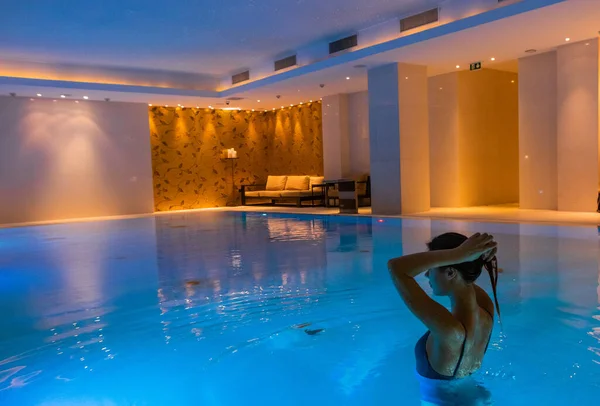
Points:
(578, 125)
(336, 141)
(399, 139)
(537, 132)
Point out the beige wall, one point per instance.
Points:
(336, 145)
(474, 138)
(443, 140)
(63, 160)
(489, 137)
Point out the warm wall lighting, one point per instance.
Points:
(291, 105)
(39, 95)
(258, 101)
(178, 105)
(301, 103)
(310, 101)
(441, 88)
(567, 39)
(282, 107)
(150, 104)
(512, 81)
(252, 109)
(77, 101)
(457, 66)
(166, 105)
(492, 59)
(347, 77)
(210, 107)
(197, 107)
(32, 99)
(85, 97)
(54, 101)
(526, 156)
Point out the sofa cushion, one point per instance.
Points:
(270, 194)
(251, 193)
(296, 193)
(316, 180)
(276, 183)
(297, 183)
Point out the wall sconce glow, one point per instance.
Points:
(258, 101)
(492, 59)
(166, 105)
(281, 106)
(197, 107)
(567, 39)
(85, 97)
(526, 156)
(39, 95)
(310, 101)
(62, 96)
(150, 104)
(178, 105)
(252, 109)
(512, 81)
(301, 103)
(291, 105)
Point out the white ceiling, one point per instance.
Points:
(504, 39)
(206, 37)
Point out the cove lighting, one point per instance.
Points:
(230, 108)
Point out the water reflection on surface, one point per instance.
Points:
(218, 309)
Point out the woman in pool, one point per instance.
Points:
(456, 342)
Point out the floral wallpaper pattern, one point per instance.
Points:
(187, 152)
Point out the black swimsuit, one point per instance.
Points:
(425, 369)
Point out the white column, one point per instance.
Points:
(336, 143)
(399, 139)
(537, 132)
(578, 125)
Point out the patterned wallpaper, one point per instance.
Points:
(187, 149)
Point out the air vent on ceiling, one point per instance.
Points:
(343, 44)
(240, 77)
(419, 20)
(235, 98)
(285, 63)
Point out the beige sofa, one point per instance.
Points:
(284, 189)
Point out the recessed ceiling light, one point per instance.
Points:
(281, 106)
(492, 59)
(54, 100)
(32, 99)
(258, 101)
(178, 105)
(512, 81)
(441, 88)
(166, 105)
(210, 107)
(347, 77)
(587, 43)
(85, 97)
(273, 108)
(300, 103)
(321, 98)
(457, 66)
(252, 109)
(150, 104)
(567, 39)
(197, 107)
(62, 96)
(77, 101)
(39, 95)
(310, 101)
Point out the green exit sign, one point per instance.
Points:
(476, 66)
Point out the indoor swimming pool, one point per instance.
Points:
(216, 308)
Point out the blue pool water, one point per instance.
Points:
(100, 313)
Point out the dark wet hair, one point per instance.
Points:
(469, 271)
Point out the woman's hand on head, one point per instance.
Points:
(476, 246)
